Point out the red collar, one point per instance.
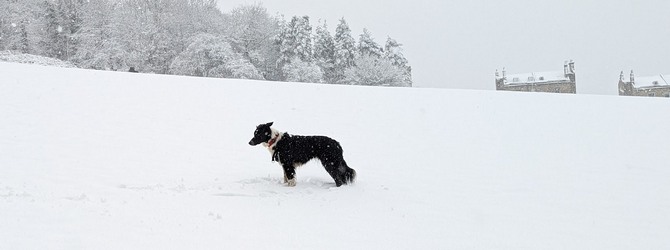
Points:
(273, 141)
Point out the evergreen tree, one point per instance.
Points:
(367, 45)
(303, 38)
(324, 52)
(61, 21)
(52, 42)
(393, 53)
(5, 24)
(13, 22)
(296, 49)
(295, 40)
(324, 45)
(24, 42)
(345, 49)
(17, 26)
(286, 42)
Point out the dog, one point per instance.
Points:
(292, 151)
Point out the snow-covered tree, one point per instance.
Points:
(153, 32)
(285, 40)
(7, 21)
(252, 32)
(393, 53)
(177, 21)
(100, 46)
(237, 68)
(61, 20)
(295, 40)
(367, 45)
(15, 25)
(345, 49)
(324, 45)
(303, 37)
(299, 71)
(324, 52)
(375, 66)
(191, 37)
(53, 40)
(211, 56)
(374, 71)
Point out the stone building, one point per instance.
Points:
(552, 81)
(644, 86)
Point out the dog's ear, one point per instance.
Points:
(269, 124)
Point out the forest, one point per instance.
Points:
(195, 38)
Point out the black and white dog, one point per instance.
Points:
(292, 151)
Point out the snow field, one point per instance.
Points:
(107, 160)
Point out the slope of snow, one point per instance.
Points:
(8, 56)
(108, 160)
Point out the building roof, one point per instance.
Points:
(536, 77)
(660, 81)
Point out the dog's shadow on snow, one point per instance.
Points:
(271, 186)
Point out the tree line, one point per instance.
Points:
(193, 37)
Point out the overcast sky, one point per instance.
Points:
(460, 43)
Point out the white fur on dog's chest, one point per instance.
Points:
(275, 134)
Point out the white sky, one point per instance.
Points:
(460, 43)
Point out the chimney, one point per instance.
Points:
(504, 78)
(632, 77)
(565, 68)
(572, 66)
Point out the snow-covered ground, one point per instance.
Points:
(8, 56)
(108, 160)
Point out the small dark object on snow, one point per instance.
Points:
(132, 69)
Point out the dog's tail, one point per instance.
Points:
(349, 175)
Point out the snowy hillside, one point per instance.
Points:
(8, 56)
(107, 160)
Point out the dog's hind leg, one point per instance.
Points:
(337, 170)
(348, 174)
(289, 175)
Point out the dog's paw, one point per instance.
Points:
(291, 182)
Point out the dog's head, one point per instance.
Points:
(262, 134)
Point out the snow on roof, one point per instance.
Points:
(536, 77)
(652, 81)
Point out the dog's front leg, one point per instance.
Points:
(289, 175)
